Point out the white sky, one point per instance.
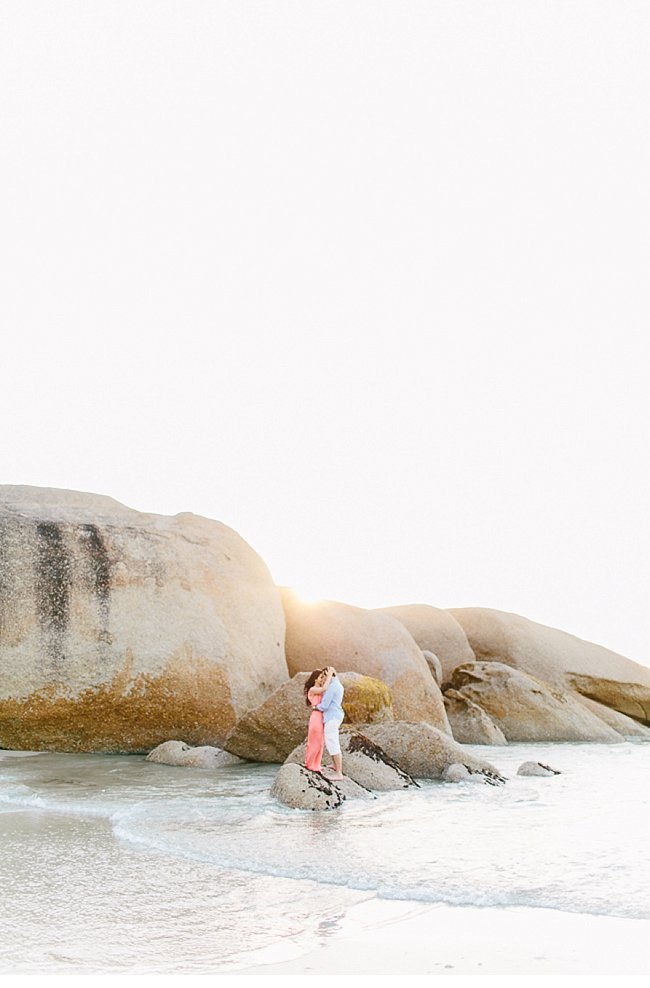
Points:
(366, 281)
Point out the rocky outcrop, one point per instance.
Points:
(425, 752)
(469, 723)
(557, 658)
(525, 708)
(537, 768)
(300, 789)
(625, 725)
(181, 754)
(368, 642)
(121, 629)
(435, 630)
(365, 763)
(271, 731)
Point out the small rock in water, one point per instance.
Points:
(463, 773)
(537, 768)
(179, 753)
(302, 789)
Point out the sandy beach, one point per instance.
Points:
(380, 937)
(112, 865)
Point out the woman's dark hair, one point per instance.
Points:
(313, 676)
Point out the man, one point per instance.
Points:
(333, 718)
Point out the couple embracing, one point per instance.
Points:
(324, 694)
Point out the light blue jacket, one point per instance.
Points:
(331, 702)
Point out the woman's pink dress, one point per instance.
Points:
(315, 734)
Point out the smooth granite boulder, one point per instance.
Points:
(435, 630)
(364, 762)
(300, 789)
(183, 755)
(353, 639)
(271, 731)
(525, 708)
(425, 752)
(557, 658)
(122, 629)
(469, 723)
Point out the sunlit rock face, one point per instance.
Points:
(357, 640)
(435, 630)
(558, 658)
(119, 629)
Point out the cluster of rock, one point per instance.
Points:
(185, 756)
(120, 630)
(370, 767)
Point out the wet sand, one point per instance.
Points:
(405, 938)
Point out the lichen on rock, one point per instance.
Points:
(366, 700)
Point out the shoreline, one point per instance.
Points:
(409, 938)
(531, 837)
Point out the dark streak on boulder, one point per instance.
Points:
(360, 743)
(53, 586)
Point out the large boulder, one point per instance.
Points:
(425, 752)
(557, 658)
(179, 754)
(271, 731)
(365, 763)
(525, 708)
(119, 630)
(469, 723)
(300, 789)
(369, 642)
(435, 630)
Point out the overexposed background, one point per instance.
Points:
(367, 281)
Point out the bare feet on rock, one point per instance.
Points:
(332, 774)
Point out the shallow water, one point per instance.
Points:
(112, 863)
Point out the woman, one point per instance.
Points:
(315, 686)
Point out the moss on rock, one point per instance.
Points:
(366, 700)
